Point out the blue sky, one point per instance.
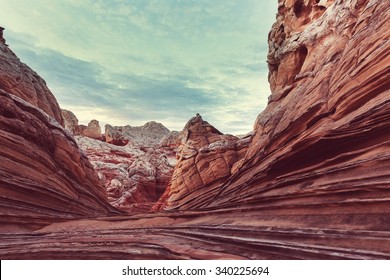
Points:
(132, 61)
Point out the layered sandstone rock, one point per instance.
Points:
(148, 135)
(323, 136)
(314, 182)
(206, 157)
(134, 177)
(318, 165)
(18, 79)
(230, 233)
(44, 177)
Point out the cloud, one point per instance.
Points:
(128, 62)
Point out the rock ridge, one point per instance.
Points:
(205, 157)
(311, 182)
(20, 80)
(147, 135)
(44, 177)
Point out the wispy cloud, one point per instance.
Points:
(129, 61)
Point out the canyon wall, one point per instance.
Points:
(311, 182)
(20, 80)
(323, 137)
(44, 177)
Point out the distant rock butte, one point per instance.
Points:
(148, 135)
(71, 122)
(93, 130)
(311, 182)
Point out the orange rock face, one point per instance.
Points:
(206, 158)
(320, 150)
(44, 177)
(18, 79)
(314, 182)
(323, 136)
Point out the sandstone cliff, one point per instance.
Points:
(314, 182)
(44, 177)
(18, 79)
(323, 138)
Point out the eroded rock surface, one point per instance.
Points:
(206, 157)
(148, 135)
(245, 233)
(92, 130)
(20, 80)
(314, 182)
(44, 177)
(320, 150)
(172, 139)
(323, 136)
(135, 177)
(136, 167)
(71, 122)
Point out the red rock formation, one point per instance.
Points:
(135, 177)
(323, 136)
(206, 158)
(319, 155)
(18, 79)
(315, 180)
(244, 233)
(44, 177)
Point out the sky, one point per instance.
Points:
(132, 61)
